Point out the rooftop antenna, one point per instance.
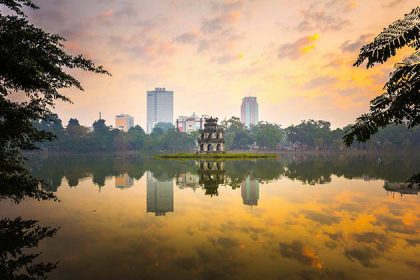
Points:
(100, 116)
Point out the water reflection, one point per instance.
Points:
(124, 181)
(160, 195)
(312, 218)
(250, 191)
(401, 188)
(16, 237)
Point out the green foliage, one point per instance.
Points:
(162, 127)
(267, 135)
(400, 102)
(238, 137)
(33, 63)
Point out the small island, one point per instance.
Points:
(211, 144)
(216, 156)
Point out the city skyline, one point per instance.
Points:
(299, 68)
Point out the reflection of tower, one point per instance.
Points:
(160, 195)
(123, 181)
(250, 191)
(212, 173)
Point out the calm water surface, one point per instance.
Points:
(296, 217)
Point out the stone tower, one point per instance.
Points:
(211, 138)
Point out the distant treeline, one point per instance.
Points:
(308, 135)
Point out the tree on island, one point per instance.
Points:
(400, 101)
(33, 64)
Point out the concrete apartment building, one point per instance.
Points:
(160, 107)
(124, 122)
(249, 111)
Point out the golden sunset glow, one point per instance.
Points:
(296, 57)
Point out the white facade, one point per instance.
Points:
(160, 107)
(249, 111)
(190, 124)
(124, 122)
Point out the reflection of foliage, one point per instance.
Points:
(17, 183)
(15, 236)
(307, 169)
(400, 103)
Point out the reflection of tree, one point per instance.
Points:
(16, 236)
(310, 169)
(17, 183)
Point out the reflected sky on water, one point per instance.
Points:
(296, 217)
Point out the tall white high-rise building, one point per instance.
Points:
(160, 107)
(249, 111)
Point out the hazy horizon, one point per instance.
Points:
(295, 57)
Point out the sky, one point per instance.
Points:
(296, 57)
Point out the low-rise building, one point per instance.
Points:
(124, 122)
(190, 124)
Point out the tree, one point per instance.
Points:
(400, 101)
(267, 135)
(236, 135)
(162, 127)
(33, 62)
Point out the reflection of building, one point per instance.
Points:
(188, 180)
(190, 124)
(211, 175)
(402, 188)
(123, 181)
(160, 195)
(211, 138)
(124, 122)
(250, 191)
(249, 111)
(160, 107)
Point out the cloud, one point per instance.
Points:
(186, 263)
(319, 82)
(344, 5)
(323, 274)
(187, 37)
(393, 224)
(349, 46)
(363, 255)
(379, 240)
(218, 23)
(298, 48)
(226, 242)
(320, 21)
(321, 218)
(393, 3)
(413, 264)
(296, 250)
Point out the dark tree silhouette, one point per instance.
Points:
(33, 63)
(400, 102)
(16, 236)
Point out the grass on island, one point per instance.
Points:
(216, 156)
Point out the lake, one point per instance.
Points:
(294, 217)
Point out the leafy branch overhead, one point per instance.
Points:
(34, 63)
(400, 101)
